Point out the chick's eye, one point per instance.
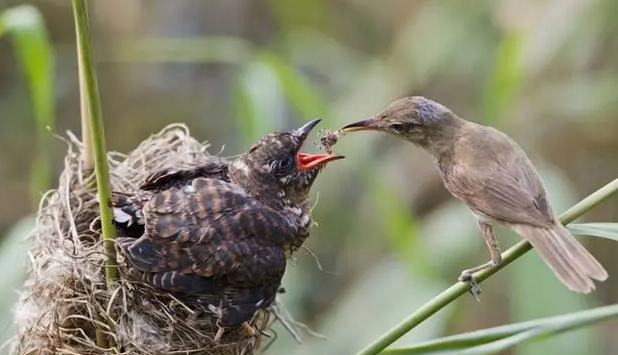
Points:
(284, 166)
(285, 163)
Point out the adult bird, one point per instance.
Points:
(494, 177)
(224, 236)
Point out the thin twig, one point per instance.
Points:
(461, 288)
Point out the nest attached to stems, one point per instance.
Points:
(65, 293)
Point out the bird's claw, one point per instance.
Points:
(219, 334)
(248, 328)
(475, 289)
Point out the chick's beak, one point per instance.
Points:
(363, 125)
(308, 161)
(304, 131)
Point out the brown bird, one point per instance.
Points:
(223, 232)
(494, 177)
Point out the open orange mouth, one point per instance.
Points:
(308, 161)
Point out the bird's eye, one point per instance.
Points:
(284, 166)
(285, 163)
(404, 126)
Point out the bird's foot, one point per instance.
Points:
(466, 276)
(475, 289)
(249, 329)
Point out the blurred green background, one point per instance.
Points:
(389, 236)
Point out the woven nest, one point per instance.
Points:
(65, 294)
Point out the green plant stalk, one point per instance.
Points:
(460, 288)
(477, 338)
(97, 138)
(87, 155)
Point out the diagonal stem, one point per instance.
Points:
(460, 288)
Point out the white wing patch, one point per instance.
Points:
(121, 216)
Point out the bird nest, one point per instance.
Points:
(66, 305)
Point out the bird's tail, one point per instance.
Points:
(567, 257)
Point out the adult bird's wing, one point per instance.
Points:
(494, 176)
(210, 231)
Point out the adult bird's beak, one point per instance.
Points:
(304, 131)
(363, 125)
(308, 161)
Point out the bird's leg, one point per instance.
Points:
(219, 334)
(496, 258)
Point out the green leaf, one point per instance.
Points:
(262, 87)
(301, 94)
(211, 49)
(26, 27)
(13, 251)
(466, 340)
(442, 246)
(505, 78)
(257, 100)
(400, 227)
(603, 230)
(288, 18)
(495, 340)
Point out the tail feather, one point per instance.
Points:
(568, 259)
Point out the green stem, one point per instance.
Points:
(87, 155)
(460, 288)
(97, 138)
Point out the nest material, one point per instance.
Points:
(65, 294)
(329, 139)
